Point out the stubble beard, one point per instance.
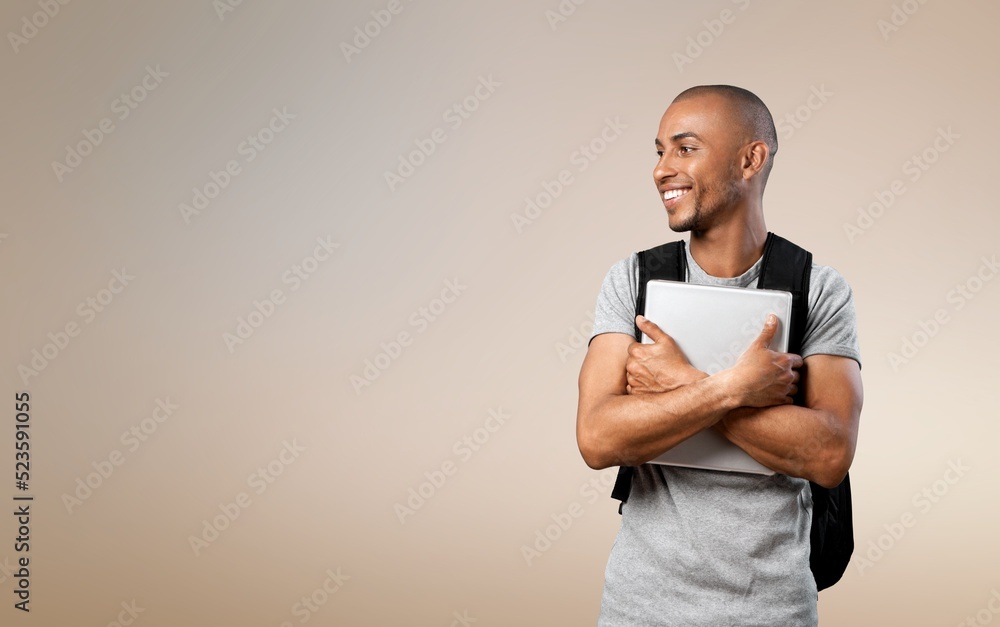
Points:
(715, 200)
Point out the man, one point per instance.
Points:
(702, 547)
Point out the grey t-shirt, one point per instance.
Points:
(701, 547)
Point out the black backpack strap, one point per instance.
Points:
(665, 262)
(831, 538)
(788, 267)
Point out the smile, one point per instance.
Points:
(674, 194)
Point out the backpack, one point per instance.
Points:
(787, 267)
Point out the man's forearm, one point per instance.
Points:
(632, 429)
(790, 439)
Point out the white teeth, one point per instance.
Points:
(674, 193)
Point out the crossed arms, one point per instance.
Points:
(639, 400)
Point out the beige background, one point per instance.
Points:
(497, 346)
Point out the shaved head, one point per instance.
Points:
(746, 110)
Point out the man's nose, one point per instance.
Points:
(664, 169)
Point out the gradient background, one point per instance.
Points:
(507, 343)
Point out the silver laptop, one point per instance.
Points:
(713, 326)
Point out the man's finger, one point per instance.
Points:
(648, 327)
(767, 334)
(797, 361)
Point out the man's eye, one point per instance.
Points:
(659, 153)
(685, 149)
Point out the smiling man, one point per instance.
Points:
(703, 547)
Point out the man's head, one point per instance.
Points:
(716, 145)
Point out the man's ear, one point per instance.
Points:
(754, 157)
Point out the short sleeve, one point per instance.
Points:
(615, 308)
(831, 325)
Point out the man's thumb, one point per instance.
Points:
(767, 334)
(649, 327)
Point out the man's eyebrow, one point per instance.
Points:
(679, 136)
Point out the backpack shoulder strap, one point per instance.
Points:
(787, 267)
(665, 262)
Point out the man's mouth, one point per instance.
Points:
(671, 196)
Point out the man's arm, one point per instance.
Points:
(814, 442)
(615, 427)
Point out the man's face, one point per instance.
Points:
(698, 173)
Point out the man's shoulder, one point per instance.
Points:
(624, 270)
(823, 279)
(826, 281)
(831, 322)
(615, 308)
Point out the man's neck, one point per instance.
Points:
(729, 250)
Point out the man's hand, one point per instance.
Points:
(816, 441)
(658, 367)
(764, 377)
(616, 427)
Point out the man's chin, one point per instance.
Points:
(683, 218)
(679, 226)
